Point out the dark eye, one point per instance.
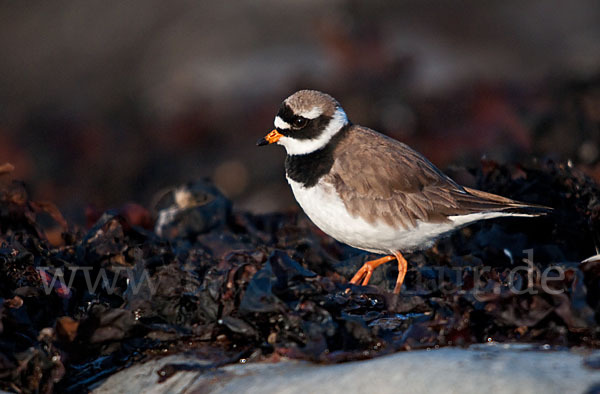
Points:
(299, 122)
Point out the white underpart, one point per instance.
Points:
(281, 124)
(314, 113)
(324, 207)
(301, 147)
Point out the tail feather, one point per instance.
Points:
(494, 202)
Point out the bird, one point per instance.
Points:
(370, 191)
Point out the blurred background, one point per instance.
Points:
(103, 103)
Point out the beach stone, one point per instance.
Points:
(491, 367)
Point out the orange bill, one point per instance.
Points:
(270, 138)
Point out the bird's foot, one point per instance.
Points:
(363, 275)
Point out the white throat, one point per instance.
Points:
(301, 147)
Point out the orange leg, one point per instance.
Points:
(402, 268)
(367, 270)
(363, 275)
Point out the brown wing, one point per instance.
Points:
(381, 179)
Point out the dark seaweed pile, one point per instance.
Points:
(234, 286)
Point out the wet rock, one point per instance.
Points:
(230, 286)
(191, 209)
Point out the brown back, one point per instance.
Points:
(381, 179)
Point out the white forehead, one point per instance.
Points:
(281, 124)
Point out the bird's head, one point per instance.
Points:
(306, 122)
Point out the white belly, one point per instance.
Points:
(323, 206)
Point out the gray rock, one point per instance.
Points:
(493, 368)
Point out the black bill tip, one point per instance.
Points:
(262, 141)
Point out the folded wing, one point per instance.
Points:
(385, 180)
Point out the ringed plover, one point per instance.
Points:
(370, 191)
